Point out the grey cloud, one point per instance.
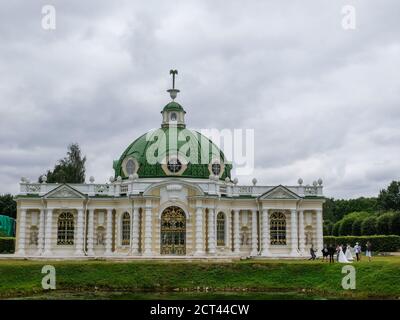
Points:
(323, 101)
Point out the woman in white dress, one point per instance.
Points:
(349, 255)
(342, 257)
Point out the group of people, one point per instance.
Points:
(344, 254)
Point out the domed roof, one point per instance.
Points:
(151, 152)
(173, 106)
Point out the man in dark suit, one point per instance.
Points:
(331, 252)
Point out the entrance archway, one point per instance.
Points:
(173, 231)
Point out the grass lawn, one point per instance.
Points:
(250, 278)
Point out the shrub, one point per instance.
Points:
(379, 243)
(345, 227)
(383, 223)
(368, 226)
(336, 227)
(395, 223)
(356, 227)
(7, 245)
(328, 226)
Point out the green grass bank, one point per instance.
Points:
(377, 279)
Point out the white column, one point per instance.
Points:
(293, 232)
(236, 237)
(109, 232)
(199, 229)
(148, 229)
(301, 232)
(41, 232)
(48, 232)
(228, 228)
(265, 233)
(211, 231)
(90, 233)
(22, 232)
(254, 233)
(135, 231)
(79, 234)
(320, 239)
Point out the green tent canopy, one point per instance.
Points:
(7, 226)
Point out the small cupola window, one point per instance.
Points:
(173, 116)
(174, 165)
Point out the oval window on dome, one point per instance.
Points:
(130, 166)
(216, 168)
(174, 165)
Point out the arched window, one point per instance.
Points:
(126, 229)
(220, 229)
(278, 228)
(65, 229)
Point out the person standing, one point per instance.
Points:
(312, 253)
(357, 250)
(331, 252)
(368, 251)
(325, 253)
(337, 253)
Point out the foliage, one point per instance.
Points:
(379, 243)
(356, 227)
(395, 223)
(8, 206)
(7, 245)
(336, 227)
(346, 226)
(389, 199)
(335, 209)
(368, 226)
(70, 169)
(328, 226)
(383, 223)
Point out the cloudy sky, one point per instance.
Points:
(323, 101)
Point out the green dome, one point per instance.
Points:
(151, 151)
(173, 106)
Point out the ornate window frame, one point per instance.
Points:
(126, 222)
(278, 228)
(181, 159)
(216, 161)
(66, 229)
(125, 162)
(221, 229)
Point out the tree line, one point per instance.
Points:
(364, 216)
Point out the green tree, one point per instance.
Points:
(383, 224)
(70, 169)
(336, 227)
(389, 199)
(395, 223)
(335, 210)
(328, 226)
(346, 226)
(328, 209)
(8, 206)
(368, 226)
(356, 227)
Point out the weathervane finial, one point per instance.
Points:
(173, 92)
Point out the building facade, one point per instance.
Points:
(171, 196)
